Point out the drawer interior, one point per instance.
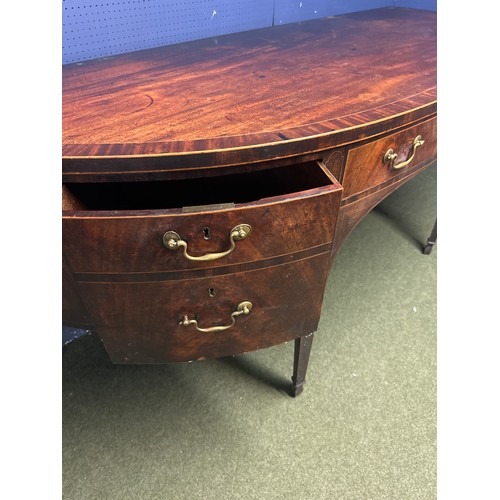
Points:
(231, 189)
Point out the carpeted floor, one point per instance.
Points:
(364, 428)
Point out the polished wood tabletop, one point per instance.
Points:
(256, 89)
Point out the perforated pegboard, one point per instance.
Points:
(93, 29)
(418, 4)
(289, 11)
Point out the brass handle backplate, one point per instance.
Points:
(390, 157)
(173, 241)
(243, 308)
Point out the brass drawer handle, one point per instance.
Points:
(390, 156)
(243, 308)
(173, 241)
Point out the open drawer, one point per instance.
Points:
(155, 226)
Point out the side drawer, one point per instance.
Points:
(122, 227)
(142, 322)
(366, 168)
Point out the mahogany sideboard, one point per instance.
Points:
(208, 185)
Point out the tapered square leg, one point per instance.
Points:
(300, 361)
(432, 240)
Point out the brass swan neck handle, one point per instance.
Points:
(390, 157)
(243, 308)
(173, 241)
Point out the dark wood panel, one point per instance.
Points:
(365, 168)
(73, 309)
(139, 322)
(189, 274)
(352, 213)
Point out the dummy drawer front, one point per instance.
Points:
(365, 166)
(140, 322)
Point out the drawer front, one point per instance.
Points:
(135, 243)
(366, 168)
(140, 322)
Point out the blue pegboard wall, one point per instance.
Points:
(287, 11)
(417, 4)
(93, 29)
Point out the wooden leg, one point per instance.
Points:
(300, 361)
(432, 240)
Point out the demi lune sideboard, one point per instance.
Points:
(208, 185)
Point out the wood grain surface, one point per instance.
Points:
(139, 322)
(365, 168)
(264, 92)
(121, 241)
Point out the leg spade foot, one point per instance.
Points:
(431, 240)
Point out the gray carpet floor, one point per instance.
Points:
(226, 429)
